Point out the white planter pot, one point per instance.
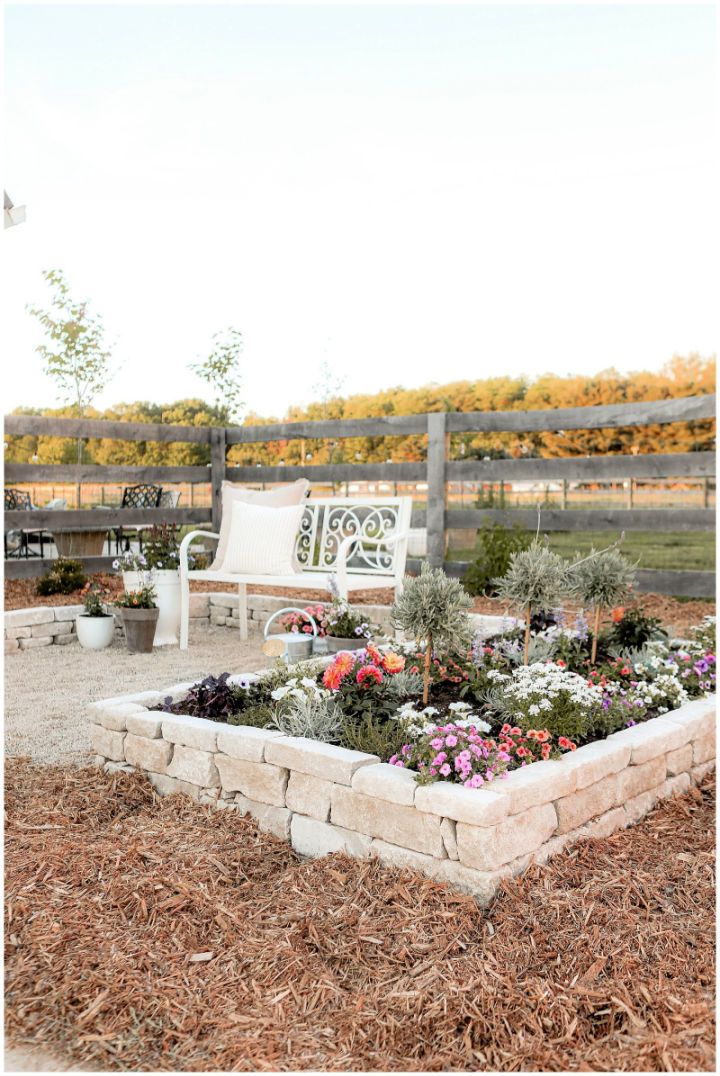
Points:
(95, 632)
(167, 589)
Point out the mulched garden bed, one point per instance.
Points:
(681, 615)
(156, 934)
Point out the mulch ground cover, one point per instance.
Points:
(20, 594)
(147, 934)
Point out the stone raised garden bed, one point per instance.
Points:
(325, 799)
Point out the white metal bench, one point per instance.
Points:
(360, 542)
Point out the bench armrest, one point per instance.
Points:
(185, 546)
(347, 544)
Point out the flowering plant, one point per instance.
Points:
(457, 752)
(298, 622)
(162, 547)
(130, 562)
(94, 600)
(562, 701)
(144, 598)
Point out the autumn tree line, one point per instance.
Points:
(682, 376)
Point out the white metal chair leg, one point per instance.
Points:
(184, 610)
(242, 611)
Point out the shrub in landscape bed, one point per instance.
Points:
(494, 546)
(601, 580)
(632, 629)
(537, 579)
(64, 577)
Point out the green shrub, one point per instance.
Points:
(64, 577)
(374, 735)
(495, 545)
(633, 630)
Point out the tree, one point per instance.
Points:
(537, 579)
(602, 580)
(76, 357)
(221, 371)
(434, 608)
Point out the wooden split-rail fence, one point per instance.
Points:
(436, 471)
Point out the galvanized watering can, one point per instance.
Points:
(291, 645)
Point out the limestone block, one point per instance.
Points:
(639, 806)
(449, 836)
(115, 716)
(224, 598)
(704, 748)
(392, 855)
(190, 731)
(22, 617)
(488, 848)
(580, 807)
(152, 755)
(309, 795)
(275, 820)
(650, 739)
(636, 779)
(696, 717)
(68, 612)
(57, 627)
(147, 724)
(168, 786)
(404, 826)
(177, 691)
(596, 760)
(312, 838)
(680, 760)
(391, 783)
(482, 885)
(606, 824)
(318, 759)
(117, 767)
(108, 743)
(142, 698)
(29, 644)
(11, 645)
(539, 782)
(217, 618)
(20, 631)
(245, 741)
(699, 773)
(196, 767)
(256, 780)
(677, 785)
(199, 605)
(63, 640)
(476, 806)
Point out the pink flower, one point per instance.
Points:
(436, 743)
(451, 740)
(445, 770)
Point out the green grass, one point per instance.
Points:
(679, 550)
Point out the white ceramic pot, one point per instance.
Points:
(95, 632)
(167, 589)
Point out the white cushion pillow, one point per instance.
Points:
(294, 493)
(262, 539)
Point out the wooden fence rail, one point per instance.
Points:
(436, 471)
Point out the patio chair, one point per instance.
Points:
(18, 542)
(141, 496)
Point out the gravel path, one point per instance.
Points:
(47, 689)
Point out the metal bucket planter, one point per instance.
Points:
(336, 645)
(139, 627)
(290, 645)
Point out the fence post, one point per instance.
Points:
(218, 444)
(435, 514)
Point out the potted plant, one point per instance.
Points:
(345, 629)
(140, 615)
(95, 627)
(298, 622)
(160, 559)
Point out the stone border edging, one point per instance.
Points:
(324, 798)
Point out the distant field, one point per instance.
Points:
(679, 550)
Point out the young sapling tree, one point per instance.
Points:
(221, 372)
(434, 609)
(537, 579)
(601, 580)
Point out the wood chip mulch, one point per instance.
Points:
(147, 934)
(679, 615)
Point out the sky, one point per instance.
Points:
(410, 193)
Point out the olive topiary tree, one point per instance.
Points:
(434, 609)
(601, 580)
(536, 579)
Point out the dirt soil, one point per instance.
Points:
(147, 934)
(677, 615)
